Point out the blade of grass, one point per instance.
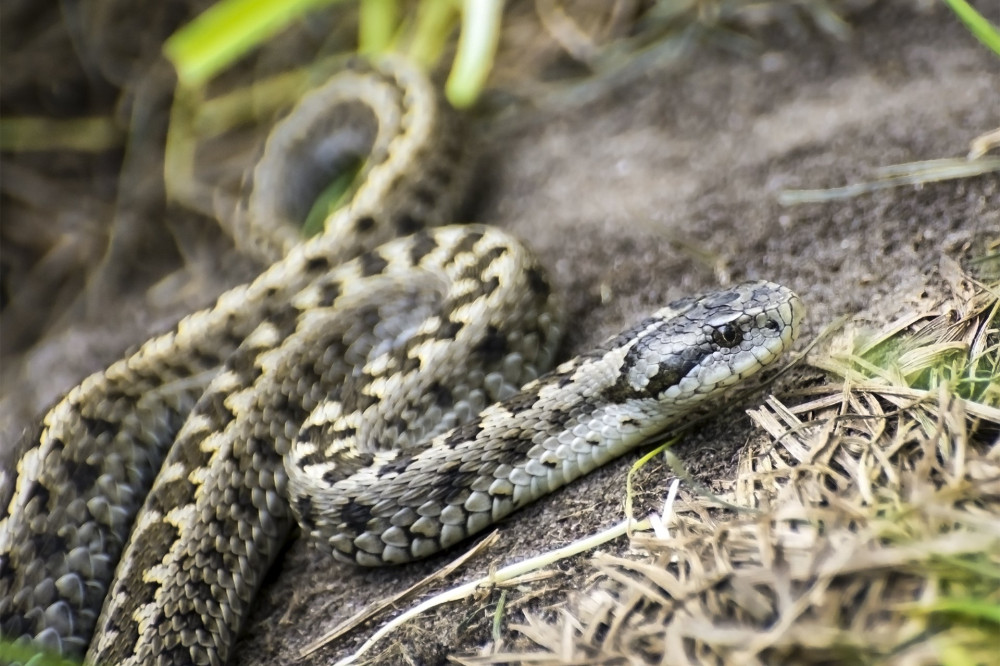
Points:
(914, 173)
(636, 466)
(92, 135)
(226, 31)
(434, 23)
(333, 196)
(377, 21)
(477, 45)
(981, 29)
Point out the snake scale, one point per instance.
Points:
(380, 384)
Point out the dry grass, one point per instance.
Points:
(869, 527)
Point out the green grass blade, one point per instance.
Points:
(982, 29)
(377, 21)
(226, 31)
(435, 22)
(333, 196)
(477, 45)
(970, 609)
(89, 135)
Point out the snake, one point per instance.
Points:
(384, 385)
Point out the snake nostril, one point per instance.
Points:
(771, 325)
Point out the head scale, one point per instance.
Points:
(696, 347)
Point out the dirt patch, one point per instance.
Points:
(664, 187)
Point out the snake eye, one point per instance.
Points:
(727, 336)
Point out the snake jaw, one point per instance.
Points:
(695, 346)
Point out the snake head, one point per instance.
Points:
(697, 347)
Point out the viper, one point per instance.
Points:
(385, 385)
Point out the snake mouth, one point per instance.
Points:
(695, 347)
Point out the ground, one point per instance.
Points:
(663, 186)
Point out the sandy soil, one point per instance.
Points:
(668, 186)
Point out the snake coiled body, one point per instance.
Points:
(385, 394)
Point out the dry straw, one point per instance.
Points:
(869, 528)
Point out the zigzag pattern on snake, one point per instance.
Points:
(382, 393)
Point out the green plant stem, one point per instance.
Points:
(377, 21)
(476, 47)
(982, 29)
(226, 31)
(92, 135)
(434, 23)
